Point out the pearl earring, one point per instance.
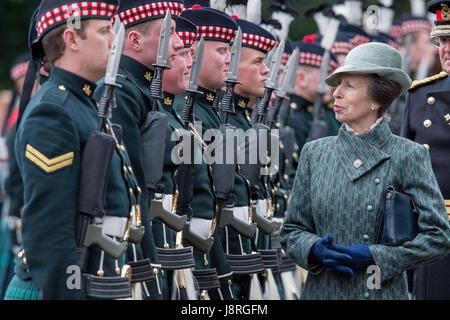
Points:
(373, 109)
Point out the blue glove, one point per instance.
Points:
(360, 254)
(322, 254)
(341, 271)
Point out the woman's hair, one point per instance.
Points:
(382, 91)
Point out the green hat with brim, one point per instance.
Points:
(373, 58)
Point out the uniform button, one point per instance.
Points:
(377, 181)
(125, 170)
(427, 123)
(122, 147)
(365, 237)
(130, 170)
(369, 208)
(139, 190)
(155, 271)
(426, 146)
(130, 191)
(281, 146)
(366, 295)
(431, 100)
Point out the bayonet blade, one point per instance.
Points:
(115, 54)
(196, 66)
(287, 77)
(164, 37)
(293, 71)
(271, 81)
(235, 57)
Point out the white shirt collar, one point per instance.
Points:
(351, 131)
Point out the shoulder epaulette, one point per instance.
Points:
(418, 83)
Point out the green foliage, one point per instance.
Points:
(16, 15)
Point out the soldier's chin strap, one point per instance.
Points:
(28, 85)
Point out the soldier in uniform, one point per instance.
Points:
(252, 76)
(426, 120)
(142, 20)
(50, 140)
(212, 77)
(307, 81)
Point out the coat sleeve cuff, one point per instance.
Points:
(386, 259)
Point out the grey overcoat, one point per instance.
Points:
(340, 188)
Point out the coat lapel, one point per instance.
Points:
(358, 154)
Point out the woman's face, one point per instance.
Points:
(352, 105)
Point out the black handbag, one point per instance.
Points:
(399, 221)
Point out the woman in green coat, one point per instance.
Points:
(339, 191)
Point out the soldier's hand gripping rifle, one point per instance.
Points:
(185, 172)
(153, 135)
(95, 166)
(319, 127)
(224, 173)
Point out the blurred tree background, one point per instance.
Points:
(16, 15)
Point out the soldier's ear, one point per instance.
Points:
(134, 39)
(71, 39)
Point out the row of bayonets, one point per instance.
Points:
(102, 143)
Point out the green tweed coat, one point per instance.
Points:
(334, 193)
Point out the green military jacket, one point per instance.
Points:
(133, 104)
(49, 143)
(340, 189)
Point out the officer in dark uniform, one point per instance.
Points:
(142, 20)
(50, 139)
(426, 120)
(212, 76)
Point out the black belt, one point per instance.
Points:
(107, 287)
(141, 270)
(270, 259)
(176, 259)
(245, 264)
(207, 279)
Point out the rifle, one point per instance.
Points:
(153, 134)
(224, 174)
(185, 172)
(319, 127)
(253, 171)
(94, 175)
(281, 93)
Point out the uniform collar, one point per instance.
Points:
(167, 102)
(240, 101)
(358, 154)
(70, 81)
(301, 104)
(141, 73)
